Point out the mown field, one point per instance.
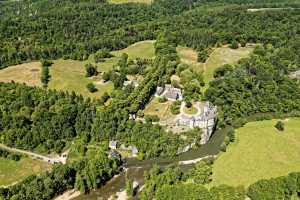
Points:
(219, 57)
(260, 152)
(28, 73)
(14, 171)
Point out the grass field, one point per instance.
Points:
(144, 49)
(219, 57)
(69, 75)
(260, 152)
(13, 171)
(28, 73)
(130, 1)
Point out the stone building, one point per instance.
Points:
(205, 120)
(171, 93)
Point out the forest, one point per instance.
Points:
(32, 30)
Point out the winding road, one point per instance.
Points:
(51, 160)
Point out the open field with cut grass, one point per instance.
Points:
(130, 1)
(14, 171)
(259, 152)
(144, 49)
(69, 75)
(162, 110)
(28, 73)
(222, 56)
(219, 57)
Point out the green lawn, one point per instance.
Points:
(260, 152)
(162, 110)
(13, 171)
(191, 111)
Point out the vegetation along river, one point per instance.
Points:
(136, 168)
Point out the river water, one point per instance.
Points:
(135, 169)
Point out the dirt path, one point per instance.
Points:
(68, 195)
(52, 160)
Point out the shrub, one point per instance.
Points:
(175, 108)
(101, 55)
(162, 99)
(279, 126)
(91, 87)
(234, 45)
(90, 70)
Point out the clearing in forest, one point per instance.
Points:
(219, 57)
(69, 75)
(28, 73)
(259, 152)
(143, 49)
(13, 171)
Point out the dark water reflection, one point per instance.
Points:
(136, 168)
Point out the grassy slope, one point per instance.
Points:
(221, 56)
(218, 57)
(259, 152)
(144, 49)
(13, 171)
(28, 73)
(70, 75)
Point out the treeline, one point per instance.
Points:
(172, 183)
(284, 187)
(10, 155)
(84, 175)
(32, 118)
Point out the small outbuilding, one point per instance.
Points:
(113, 144)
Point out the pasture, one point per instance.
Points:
(259, 152)
(14, 171)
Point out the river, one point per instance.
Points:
(135, 168)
